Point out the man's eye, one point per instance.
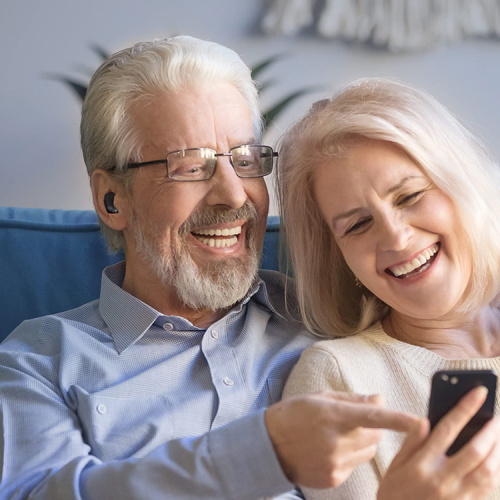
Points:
(188, 168)
(244, 163)
(193, 169)
(358, 227)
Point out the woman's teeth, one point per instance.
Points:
(420, 262)
(226, 237)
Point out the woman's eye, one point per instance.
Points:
(358, 227)
(413, 197)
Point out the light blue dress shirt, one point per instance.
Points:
(114, 400)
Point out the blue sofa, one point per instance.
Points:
(52, 260)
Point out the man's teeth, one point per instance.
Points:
(415, 263)
(201, 235)
(219, 232)
(217, 243)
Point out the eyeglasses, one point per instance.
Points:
(198, 164)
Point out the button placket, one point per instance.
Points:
(225, 372)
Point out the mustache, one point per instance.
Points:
(212, 216)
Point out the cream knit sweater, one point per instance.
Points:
(374, 363)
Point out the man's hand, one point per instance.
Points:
(320, 438)
(422, 470)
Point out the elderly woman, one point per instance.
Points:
(392, 214)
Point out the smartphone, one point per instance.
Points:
(446, 390)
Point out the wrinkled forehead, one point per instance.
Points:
(216, 116)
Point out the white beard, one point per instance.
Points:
(217, 285)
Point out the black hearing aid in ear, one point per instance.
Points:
(109, 203)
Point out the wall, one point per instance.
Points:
(41, 163)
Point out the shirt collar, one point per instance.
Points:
(267, 295)
(128, 318)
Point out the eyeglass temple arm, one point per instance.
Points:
(144, 163)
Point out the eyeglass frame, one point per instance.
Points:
(274, 154)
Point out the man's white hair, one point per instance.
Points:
(140, 73)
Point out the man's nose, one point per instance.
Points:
(395, 232)
(226, 188)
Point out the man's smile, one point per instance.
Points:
(218, 238)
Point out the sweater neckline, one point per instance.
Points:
(427, 361)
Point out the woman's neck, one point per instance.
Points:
(475, 335)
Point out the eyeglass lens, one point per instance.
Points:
(199, 163)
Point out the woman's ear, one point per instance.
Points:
(109, 200)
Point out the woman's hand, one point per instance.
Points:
(320, 438)
(421, 469)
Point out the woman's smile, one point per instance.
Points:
(416, 265)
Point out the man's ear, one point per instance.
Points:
(109, 200)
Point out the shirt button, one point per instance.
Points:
(215, 334)
(102, 409)
(228, 381)
(168, 327)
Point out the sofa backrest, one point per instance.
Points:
(52, 260)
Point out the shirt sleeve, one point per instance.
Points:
(234, 461)
(44, 454)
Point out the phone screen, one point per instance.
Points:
(448, 387)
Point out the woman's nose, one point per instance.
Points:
(395, 233)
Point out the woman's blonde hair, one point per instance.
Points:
(450, 155)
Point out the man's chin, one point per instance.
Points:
(216, 285)
(201, 280)
(212, 267)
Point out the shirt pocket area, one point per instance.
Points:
(118, 428)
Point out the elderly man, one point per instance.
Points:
(159, 389)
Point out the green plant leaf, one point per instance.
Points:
(265, 85)
(256, 70)
(102, 53)
(271, 114)
(78, 88)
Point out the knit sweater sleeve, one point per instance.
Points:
(317, 370)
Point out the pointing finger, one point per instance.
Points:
(376, 399)
(373, 416)
(414, 440)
